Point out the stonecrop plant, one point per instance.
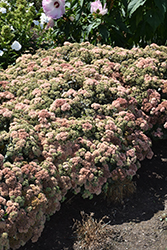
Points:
(77, 118)
(74, 117)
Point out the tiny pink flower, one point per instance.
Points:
(165, 125)
(87, 126)
(65, 107)
(98, 6)
(54, 8)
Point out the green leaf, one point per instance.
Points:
(74, 3)
(154, 17)
(93, 25)
(161, 4)
(81, 3)
(134, 5)
(104, 32)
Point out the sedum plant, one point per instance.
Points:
(77, 118)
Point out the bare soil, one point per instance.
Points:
(138, 223)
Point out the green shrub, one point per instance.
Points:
(146, 22)
(21, 30)
(76, 118)
(126, 24)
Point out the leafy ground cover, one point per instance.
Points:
(75, 119)
(136, 224)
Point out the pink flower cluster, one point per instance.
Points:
(28, 222)
(97, 6)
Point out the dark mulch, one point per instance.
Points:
(135, 223)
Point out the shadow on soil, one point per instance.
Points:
(151, 192)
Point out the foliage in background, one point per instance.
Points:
(79, 24)
(20, 22)
(127, 24)
(147, 22)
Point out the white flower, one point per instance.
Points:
(3, 10)
(12, 28)
(1, 53)
(43, 19)
(36, 22)
(54, 8)
(16, 45)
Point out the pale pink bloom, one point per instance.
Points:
(1, 162)
(7, 113)
(88, 156)
(75, 161)
(33, 114)
(69, 93)
(46, 85)
(98, 6)
(164, 65)
(20, 106)
(50, 135)
(78, 63)
(95, 106)
(83, 92)
(87, 126)
(165, 125)
(21, 143)
(62, 136)
(131, 152)
(95, 153)
(54, 8)
(43, 113)
(119, 103)
(147, 78)
(65, 107)
(146, 62)
(154, 45)
(59, 102)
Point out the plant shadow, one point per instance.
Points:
(149, 199)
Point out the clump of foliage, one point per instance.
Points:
(77, 118)
(20, 22)
(126, 24)
(92, 234)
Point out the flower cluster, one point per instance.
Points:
(27, 194)
(97, 8)
(74, 118)
(54, 9)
